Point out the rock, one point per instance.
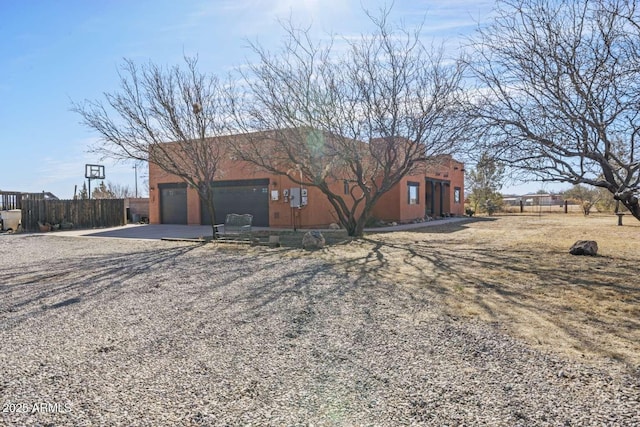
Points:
(66, 225)
(313, 240)
(334, 226)
(393, 224)
(584, 247)
(274, 241)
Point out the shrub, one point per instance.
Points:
(490, 207)
(372, 222)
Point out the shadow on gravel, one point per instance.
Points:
(278, 333)
(48, 287)
(589, 304)
(313, 281)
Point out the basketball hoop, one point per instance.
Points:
(93, 172)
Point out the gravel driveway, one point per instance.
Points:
(113, 332)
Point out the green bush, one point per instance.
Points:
(371, 222)
(490, 207)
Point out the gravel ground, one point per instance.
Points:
(115, 332)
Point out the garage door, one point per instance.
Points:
(173, 203)
(241, 197)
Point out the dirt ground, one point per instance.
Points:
(436, 326)
(516, 270)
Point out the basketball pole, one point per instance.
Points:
(93, 172)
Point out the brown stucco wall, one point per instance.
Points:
(393, 206)
(137, 206)
(318, 212)
(456, 177)
(388, 206)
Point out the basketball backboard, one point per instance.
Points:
(94, 171)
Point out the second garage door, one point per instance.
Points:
(173, 203)
(249, 196)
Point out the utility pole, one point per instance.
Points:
(135, 167)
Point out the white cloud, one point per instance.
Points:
(253, 17)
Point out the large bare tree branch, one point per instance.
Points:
(368, 115)
(559, 89)
(164, 116)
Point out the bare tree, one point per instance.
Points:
(587, 197)
(111, 191)
(366, 116)
(167, 117)
(119, 191)
(84, 193)
(559, 92)
(101, 192)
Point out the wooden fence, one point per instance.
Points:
(92, 213)
(10, 200)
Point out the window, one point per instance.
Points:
(456, 195)
(414, 191)
(346, 187)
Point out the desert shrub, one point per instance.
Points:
(490, 207)
(372, 222)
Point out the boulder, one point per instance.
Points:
(334, 226)
(313, 240)
(584, 247)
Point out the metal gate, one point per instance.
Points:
(250, 196)
(173, 203)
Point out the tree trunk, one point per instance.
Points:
(214, 236)
(212, 212)
(631, 202)
(359, 228)
(351, 225)
(208, 200)
(356, 224)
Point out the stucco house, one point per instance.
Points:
(244, 188)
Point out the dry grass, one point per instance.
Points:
(516, 271)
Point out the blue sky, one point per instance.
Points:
(56, 52)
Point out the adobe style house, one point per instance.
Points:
(242, 188)
(437, 192)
